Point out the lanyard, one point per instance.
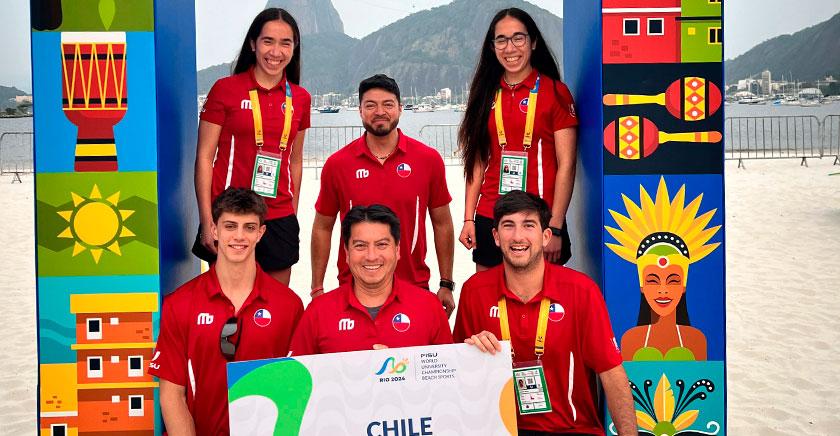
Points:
(542, 325)
(287, 121)
(529, 120)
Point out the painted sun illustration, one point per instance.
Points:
(96, 224)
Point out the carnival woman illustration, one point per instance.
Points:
(663, 237)
(519, 112)
(257, 118)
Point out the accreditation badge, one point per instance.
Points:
(266, 172)
(531, 389)
(513, 171)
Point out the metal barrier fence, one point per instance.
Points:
(16, 154)
(773, 138)
(322, 141)
(831, 137)
(443, 138)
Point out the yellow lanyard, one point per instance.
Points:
(542, 325)
(287, 121)
(529, 119)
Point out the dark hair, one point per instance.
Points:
(645, 310)
(247, 58)
(375, 213)
(379, 81)
(521, 201)
(240, 201)
(473, 136)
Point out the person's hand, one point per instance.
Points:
(467, 237)
(446, 298)
(552, 250)
(207, 239)
(380, 347)
(316, 291)
(485, 341)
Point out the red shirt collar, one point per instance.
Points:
(548, 289)
(255, 85)
(350, 299)
(529, 81)
(361, 147)
(215, 289)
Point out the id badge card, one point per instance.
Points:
(266, 174)
(531, 389)
(513, 171)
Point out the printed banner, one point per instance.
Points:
(434, 390)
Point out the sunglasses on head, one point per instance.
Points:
(229, 329)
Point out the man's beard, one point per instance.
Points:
(381, 131)
(530, 264)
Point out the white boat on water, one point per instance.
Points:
(423, 108)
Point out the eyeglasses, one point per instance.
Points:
(229, 329)
(518, 40)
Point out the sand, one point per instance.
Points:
(783, 295)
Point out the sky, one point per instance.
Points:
(221, 25)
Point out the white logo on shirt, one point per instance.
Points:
(494, 311)
(152, 364)
(204, 318)
(245, 104)
(346, 324)
(362, 173)
(572, 110)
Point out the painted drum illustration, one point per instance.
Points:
(635, 137)
(94, 94)
(689, 99)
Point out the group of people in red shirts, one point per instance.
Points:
(518, 143)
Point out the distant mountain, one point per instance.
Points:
(312, 16)
(7, 96)
(425, 51)
(809, 54)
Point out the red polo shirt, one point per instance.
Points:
(579, 341)
(412, 180)
(188, 350)
(555, 111)
(337, 322)
(229, 105)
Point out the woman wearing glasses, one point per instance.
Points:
(518, 132)
(251, 136)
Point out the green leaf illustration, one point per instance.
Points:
(107, 10)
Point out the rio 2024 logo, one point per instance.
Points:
(391, 368)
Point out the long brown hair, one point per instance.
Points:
(473, 137)
(247, 58)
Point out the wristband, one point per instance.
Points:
(468, 220)
(316, 290)
(556, 231)
(448, 284)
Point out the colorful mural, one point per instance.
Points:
(97, 215)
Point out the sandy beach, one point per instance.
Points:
(783, 278)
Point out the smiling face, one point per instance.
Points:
(372, 254)
(515, 60)
(380, 111)
(274, 48)
(237, 236)
(663, 288)
(521, 239)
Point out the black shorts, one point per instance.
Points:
(278, 249)
(487, 254)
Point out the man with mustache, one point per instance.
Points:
(384, 166)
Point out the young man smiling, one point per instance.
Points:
(375, 309)
(557, 323)
(235, 311)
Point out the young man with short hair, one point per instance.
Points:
(375, 309)
(235, 311)
(557, 322)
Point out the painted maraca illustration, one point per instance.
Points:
(635, 137)
(689, 99)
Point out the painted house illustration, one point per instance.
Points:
(661, 31)
(114, 344)
(59, 405)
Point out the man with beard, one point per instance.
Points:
(557, 324)
(384, 166)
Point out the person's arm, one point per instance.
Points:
(619, 400)
(471, 193)
(320, 250)
(445, 250)
(565, 151)
(296, 167)
(208, 140)
(173, 406)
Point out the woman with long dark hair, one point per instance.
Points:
(251, 135)
(518, 132)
